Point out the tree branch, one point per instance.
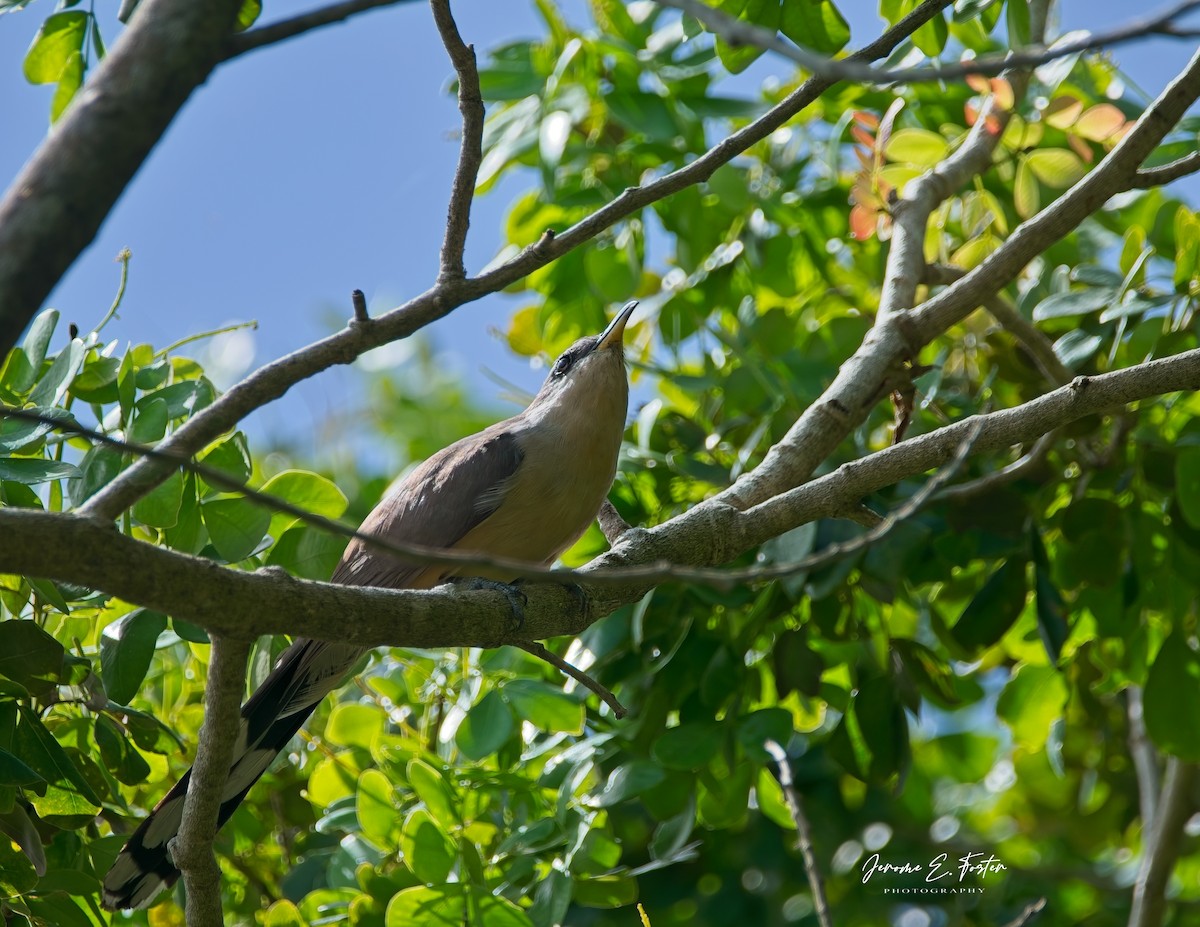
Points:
(273, 380)
(1145, 760)
(803, 832)
(54, 207)
(470, 153)
(539, 651)
(1149, 177)
(894, 338)
(298, 25)
(192, 849)
(1162, 838)
(228, 601)
(739, 32)
(1005, 475)
(1028, 915)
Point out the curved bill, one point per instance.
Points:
(616, 328)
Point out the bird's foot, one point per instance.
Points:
(516, 598)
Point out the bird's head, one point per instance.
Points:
(591, 369)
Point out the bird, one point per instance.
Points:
(524, 489)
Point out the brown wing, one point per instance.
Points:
(438, 503)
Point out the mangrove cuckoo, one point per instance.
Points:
(524, 489)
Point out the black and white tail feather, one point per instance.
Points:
(305, 673)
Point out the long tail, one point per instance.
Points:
(305, 673)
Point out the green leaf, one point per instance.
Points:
(689, 746)
(30, 471)
(628, 781)
(150, 421)
(98, 468)
(1077, 347)
(1073, 302)
(126, 649)
(21, 830)
(235, 526)
(1031, 701)
(644, 113)
(486, 728)
(123, 761)
(932, 35)
(544, 706)
(306, 551)
(30, 656)
(60, 36)
(16, 433)
(17, 875)
(917, 146)
(309, 491)
(247, 15)
(993, 610)
(606, 892)
(15, 772)
(1171, 698)
(69, 83)
(231, 457)
(68, 793)
(1057, 168)
(771, 800)
(1018, 22)
(814, 24)
(1187, 484)
(38, 340)
(160, 507)
(433, 789)
(53, 385)
(373, 805)
(354, 725)
(427, 851)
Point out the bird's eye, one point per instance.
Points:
(562, 365)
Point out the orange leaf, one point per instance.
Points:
(863, 118)
(1100, 122)
(1081, 148)
(862, 223)
(1003, 92)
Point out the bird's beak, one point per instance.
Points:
(616, 328)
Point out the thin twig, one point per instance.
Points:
(1032, 338)
(539, 651)
(803, 832)
(359, 302)
(740, 32)
(298, 25)
(470, 152)
(192, 849)
(1145, 759)
(1005, 475)
(1027, 916)
(274, 379)
(1149, 177)
(1161, 842)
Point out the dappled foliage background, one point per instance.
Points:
(961, 686)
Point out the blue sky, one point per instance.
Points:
(306, 169)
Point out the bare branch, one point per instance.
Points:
(359, 302)
(1005, 475)
(1161, 841)
(273, 380)
(539, 651)
(803, 832)
(1145, 760)
(54, 207)
(298, 25)
(228, 601)
(470, 152)
(1149, 177)
(611, 522)
(739, 32)
(192, 850)
(1028, 915)
(1032, 338)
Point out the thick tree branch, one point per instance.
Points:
(470, 153)
(273, 380)
(298, 25)
(1161, 848)
(739, 32)
(192, 850)
(848, 400)
(227, 601)
(55, 205)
